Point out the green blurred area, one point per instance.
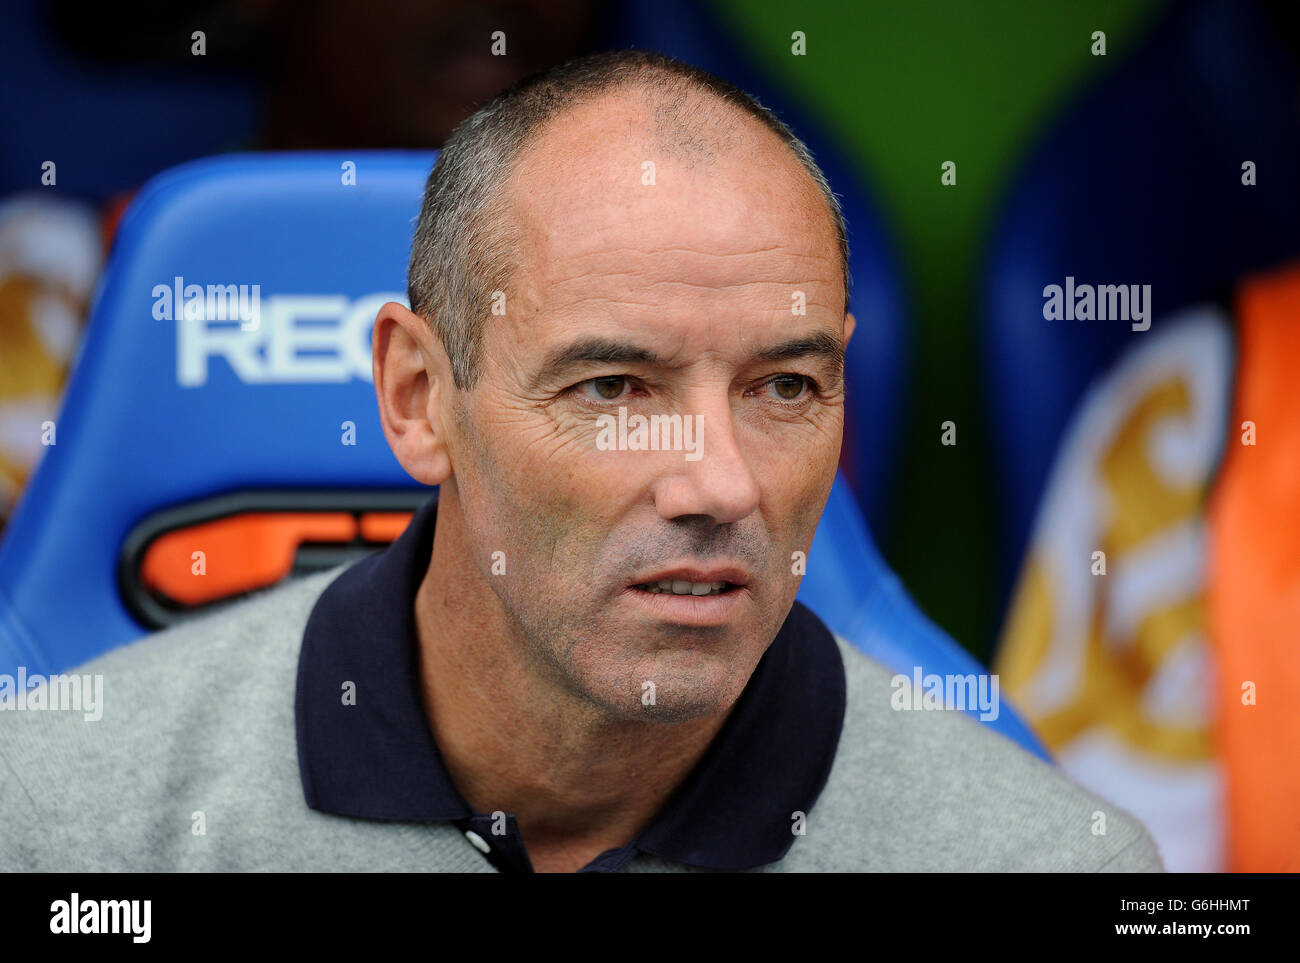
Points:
(908, 85)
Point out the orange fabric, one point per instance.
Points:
(240, 553)
(1254, 584)
(384, 526)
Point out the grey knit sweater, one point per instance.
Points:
(198, 732)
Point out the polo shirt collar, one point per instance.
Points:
(376, 758)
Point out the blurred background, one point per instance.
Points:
(1078, 501)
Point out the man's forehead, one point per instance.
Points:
(607, 177)
(693, 129)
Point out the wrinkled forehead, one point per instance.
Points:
(624, 194)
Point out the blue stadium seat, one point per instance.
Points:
(1138, 181)
(163, 414)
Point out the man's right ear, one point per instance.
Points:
(411, 372)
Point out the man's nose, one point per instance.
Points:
(717, 480)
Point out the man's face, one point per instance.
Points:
(672, 298)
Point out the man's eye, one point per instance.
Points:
(605, 389)
(789, 387)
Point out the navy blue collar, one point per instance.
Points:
(377, 758)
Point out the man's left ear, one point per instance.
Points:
(850, 323)
(409, 395)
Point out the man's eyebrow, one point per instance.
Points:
(821, 344)
(597, 350)
(589, 351)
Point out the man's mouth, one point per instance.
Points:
(698, 595)
(682, 587)
(717, 578)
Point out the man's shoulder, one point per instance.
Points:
(915, 789)
(257, 632)
(223, 658)
(187, 716)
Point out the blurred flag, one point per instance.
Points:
(50, 251)
(1153, 639)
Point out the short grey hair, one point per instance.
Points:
(463, 249)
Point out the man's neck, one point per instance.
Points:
(515, 740)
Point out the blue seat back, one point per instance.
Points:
(156, 415)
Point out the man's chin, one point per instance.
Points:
(678, 685)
